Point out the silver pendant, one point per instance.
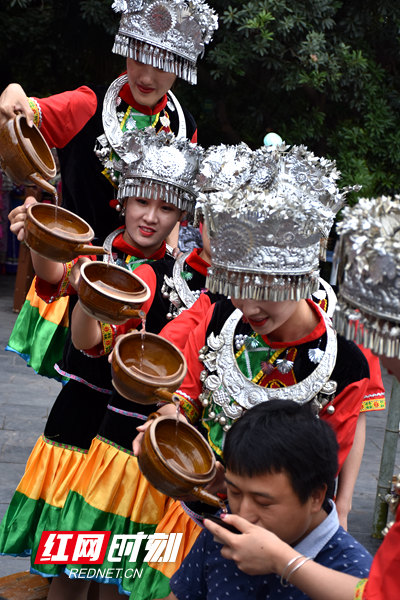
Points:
(251, 343)
(284, 366)
(315, 355)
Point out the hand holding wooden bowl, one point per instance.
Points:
(25, 156)
(146, 368)
(58, 234)
(110, 293)
(177, 460)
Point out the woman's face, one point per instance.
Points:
(148, 84)
(266, 317)
(148, 221)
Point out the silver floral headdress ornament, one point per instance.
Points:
(167, 34)
(368, 253)
(266, 234)
(224, 168)
(165, 167)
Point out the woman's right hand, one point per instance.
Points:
(14, 101)
(17, 218)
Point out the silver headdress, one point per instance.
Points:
(266, 234)
(167, 34)
(233, 168)
(368, 309)
(166, 166)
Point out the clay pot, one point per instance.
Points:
(58, 234)
(146, 368)
(177, 460)
(110, 293)
(25, 155)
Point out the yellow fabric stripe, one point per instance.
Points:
(49, 472)
(176, 520)
(112, 482)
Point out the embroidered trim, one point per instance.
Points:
(360, 587)
(35, 106)
(107, 332)
(188, 406)
(370, 405)
(114, 445)
(81, 380)
(65, 281)
(189, 409)
(376, 395)
(63, 446)
(126, 413)
(198, 519)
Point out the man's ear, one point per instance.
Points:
(318, 497)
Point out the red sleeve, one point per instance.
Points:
(178, 330)
(344, 420)
(375, 394)
(64, 115)
(383, 580)
(191, 386)
(50, 292)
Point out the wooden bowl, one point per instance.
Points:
(110, 293)
(146, 368)
(25, 155)
(58, 234)
(176, 459)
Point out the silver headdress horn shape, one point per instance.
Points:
(166, 34)
(166, 167)
(368, 253)
(266, 234)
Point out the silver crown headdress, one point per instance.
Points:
(368, 309)
(165, 166)
(167, 34)
(266, 235)
(233, 168)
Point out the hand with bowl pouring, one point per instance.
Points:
(14, 101)
(45, 268)
(17, 218)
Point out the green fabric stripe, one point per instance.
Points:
(22, 527)
(39, 341)
(78, 514)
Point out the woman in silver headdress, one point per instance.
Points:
(277, 343)
(368, 312)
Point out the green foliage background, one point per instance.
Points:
(324, 73)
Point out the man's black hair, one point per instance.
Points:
(283, 436)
